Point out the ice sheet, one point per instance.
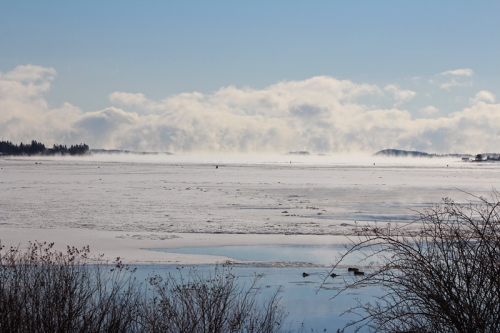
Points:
(159, 198)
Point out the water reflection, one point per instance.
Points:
(308, 300)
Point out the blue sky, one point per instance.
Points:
(163, 48)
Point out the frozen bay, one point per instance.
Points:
(172, 194)
(124, 202)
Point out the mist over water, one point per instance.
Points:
(348, 159)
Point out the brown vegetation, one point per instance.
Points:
(43, 290)
(443, 276)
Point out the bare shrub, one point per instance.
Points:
(210, 303)
(443, 276)
(43, 290)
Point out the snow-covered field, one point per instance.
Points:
(120, 204)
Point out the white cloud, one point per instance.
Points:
(128, 99)
(320, 114)
(28, 73)
(459, 72)
(429, 110)
(484, 96)
(400, 95)
(24, 112)
(455, 83)
(455, 78)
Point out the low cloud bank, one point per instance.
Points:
(321, 114)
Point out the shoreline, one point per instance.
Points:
(133, 247)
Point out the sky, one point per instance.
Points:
(252, 77)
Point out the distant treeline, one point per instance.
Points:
(38, 148)
(407, 153)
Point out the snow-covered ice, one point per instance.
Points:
(120, 204)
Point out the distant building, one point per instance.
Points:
(485, 157)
